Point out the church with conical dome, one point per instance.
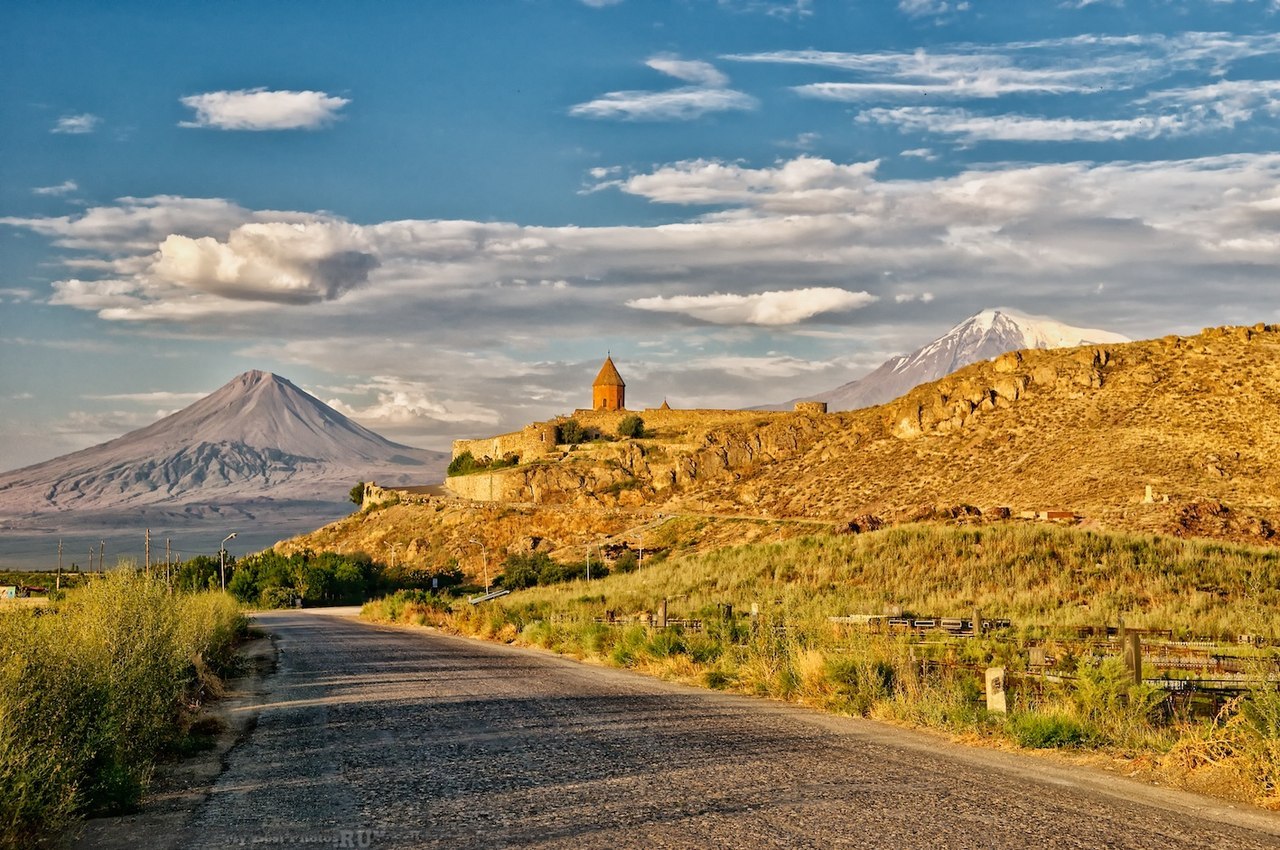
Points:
(609, 391)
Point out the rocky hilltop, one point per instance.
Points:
(1174, 435)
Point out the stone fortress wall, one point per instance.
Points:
(534, 440)
(686, 429)
(539, 438)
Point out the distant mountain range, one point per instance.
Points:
(258, 441)
(981, 337)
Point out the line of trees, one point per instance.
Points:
(527, 569)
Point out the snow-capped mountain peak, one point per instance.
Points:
(982, 336)
(259, 436)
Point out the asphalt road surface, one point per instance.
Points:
(384, 737)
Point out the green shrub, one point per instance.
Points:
(631, 426)
(626, 562)
(463, 464)
(571, 432)
(666, 642)
(630, 646)
(94, 689)
(718, 679)
(1051, 729)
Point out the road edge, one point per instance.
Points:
(182, 786)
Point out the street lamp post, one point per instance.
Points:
(484, 556)
(222, 559)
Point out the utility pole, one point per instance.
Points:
(58, 584)
(168, 576)
(147, 549)
(90, 559)
(102, 556)
(222, 562)
(484, 556)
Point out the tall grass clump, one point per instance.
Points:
(418, 607)
(93, 690)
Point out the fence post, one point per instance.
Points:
(1133, 655)
(662, 614)
(995, 691)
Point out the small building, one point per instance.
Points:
(609, 391)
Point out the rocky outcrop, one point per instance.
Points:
(953, 403)
(634, 472)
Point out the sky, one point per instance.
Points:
(439, 217)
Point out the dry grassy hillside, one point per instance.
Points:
(1084, 430)
(429, 533)
(1076, 429)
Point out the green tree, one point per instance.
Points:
(357, 494)
(464, 463)
(631, 426)
(570, 431)
(626, 562)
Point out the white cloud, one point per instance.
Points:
(1074, 65)
(138, 224)
(762, 308)
(99, 426)
(811, 222)
(772, 365)
(682, 104)
(922, 8)
(97, 294)
(261, 109)
(707, 93)
(908, 297)
(288, 263)
(16, 294)
(690, 70)
(1226, 102)
(64, 188)
(400, 402)
(76, 125)
(600, 4)
(1027, 128)
(159, 396)
(802, 141)
(785, 9)
(920, 153)
(805, 182)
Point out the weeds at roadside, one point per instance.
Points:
(94, 689)
(1046, 580)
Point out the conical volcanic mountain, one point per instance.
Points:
(257, 438)
(980, 337)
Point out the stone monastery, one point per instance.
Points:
(608, 406)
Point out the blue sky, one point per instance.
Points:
(439, 216)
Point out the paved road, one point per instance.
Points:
(386, 737)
